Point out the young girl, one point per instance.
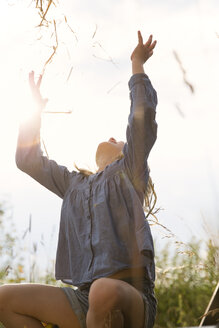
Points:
(105, 246)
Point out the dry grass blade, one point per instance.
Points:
(150, 199)
(30, 223)
(46, 11)
(39, 5)
(58, 112)
(151, 211)
(94, 31)
(189, 253)
(151, 216)
(110, 59)
(183, 71)
(211, 313)
(69, 74)
(29, 227)
(54, 48)
(179, 110)
(173, 269)
(155, 222)
(115, 85)
(70, 28)
(179, 267)
(7, 269)
(25, 233)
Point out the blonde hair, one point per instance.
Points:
(150, 198)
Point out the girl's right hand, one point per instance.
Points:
(143, 51)
(35, 89)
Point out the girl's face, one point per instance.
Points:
(107, 151)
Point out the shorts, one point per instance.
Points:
(79, 301)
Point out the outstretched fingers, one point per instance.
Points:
(148, 43)
(140, 39)
(143, 50)
(35, 89)
(39, 81)
(31, 79)
(152, 46)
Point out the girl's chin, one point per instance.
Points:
(108, 149)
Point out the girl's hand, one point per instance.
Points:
(35, 89)
(143, 51)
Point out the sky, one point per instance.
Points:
(89, 75)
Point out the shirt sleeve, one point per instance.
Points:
(141, 131)
(30, 159)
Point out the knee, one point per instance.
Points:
(105, 295)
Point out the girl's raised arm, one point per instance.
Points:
(141, 131)
(29, 156)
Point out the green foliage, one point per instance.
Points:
(11, 265)
(185, 283)
(6, 244)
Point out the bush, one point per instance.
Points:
(184, 286)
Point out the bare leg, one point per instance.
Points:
(114, 303)
(26, 305)
(18, 320)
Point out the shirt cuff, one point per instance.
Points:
(137, 78)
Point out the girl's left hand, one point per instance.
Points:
(143, 51)
(35, 89)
